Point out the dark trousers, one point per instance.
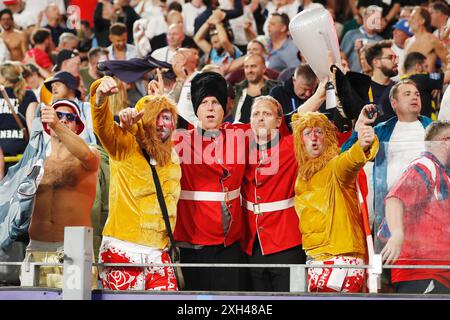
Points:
(419, 286)
(213, 278)
(273, 279)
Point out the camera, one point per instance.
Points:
(378, 110)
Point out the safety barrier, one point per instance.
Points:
(77, 265)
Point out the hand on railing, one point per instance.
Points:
(392, 249)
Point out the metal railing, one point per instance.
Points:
(78, 263)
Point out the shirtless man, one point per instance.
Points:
(15, 40)
(423, 41)
(66, 193)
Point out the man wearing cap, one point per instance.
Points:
(400, 34)
(70, 61)
(66, 192)
(63, 85)
(135, 231)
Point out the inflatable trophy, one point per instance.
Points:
(314, 34)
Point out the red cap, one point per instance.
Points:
(6, 2)
(74, 107)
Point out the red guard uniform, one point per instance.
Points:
(268, 198)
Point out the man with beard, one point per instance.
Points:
(135, 231)
(119, 48)
(15, 40)
(384, 63)
(327, 203)
(253, 86)
(66, 192)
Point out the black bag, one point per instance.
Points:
(174, 251)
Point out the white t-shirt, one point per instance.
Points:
(164, 54)
(190, 12)
(184, 107)
(444, 111)
(24, 19)
(237, 25)
(405, 145)
(33, 7)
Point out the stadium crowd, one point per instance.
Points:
(196, 130)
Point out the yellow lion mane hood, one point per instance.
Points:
(309, 166)
(146, 127)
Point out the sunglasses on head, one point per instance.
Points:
(69, 116)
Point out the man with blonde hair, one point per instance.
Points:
(271, 233)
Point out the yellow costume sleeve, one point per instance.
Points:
(352, 160)
(114, 139)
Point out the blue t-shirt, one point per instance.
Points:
(11, 137)
(215, 58)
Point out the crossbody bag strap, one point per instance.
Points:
(162, 202)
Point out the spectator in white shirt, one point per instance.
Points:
(175, 37)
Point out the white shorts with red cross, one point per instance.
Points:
(336, 279)
(135, 278)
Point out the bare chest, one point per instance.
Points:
(13, 41)
(61, 173)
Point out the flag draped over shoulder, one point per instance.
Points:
(18, 188)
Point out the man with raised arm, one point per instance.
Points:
(66, 192)
(135, 231)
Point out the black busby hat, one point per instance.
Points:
(208, 84)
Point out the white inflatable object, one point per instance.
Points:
(314, 34)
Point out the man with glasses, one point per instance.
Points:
(384, 63)
(63, 85)
(326, 200)
(417, 210)
(66, 192)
